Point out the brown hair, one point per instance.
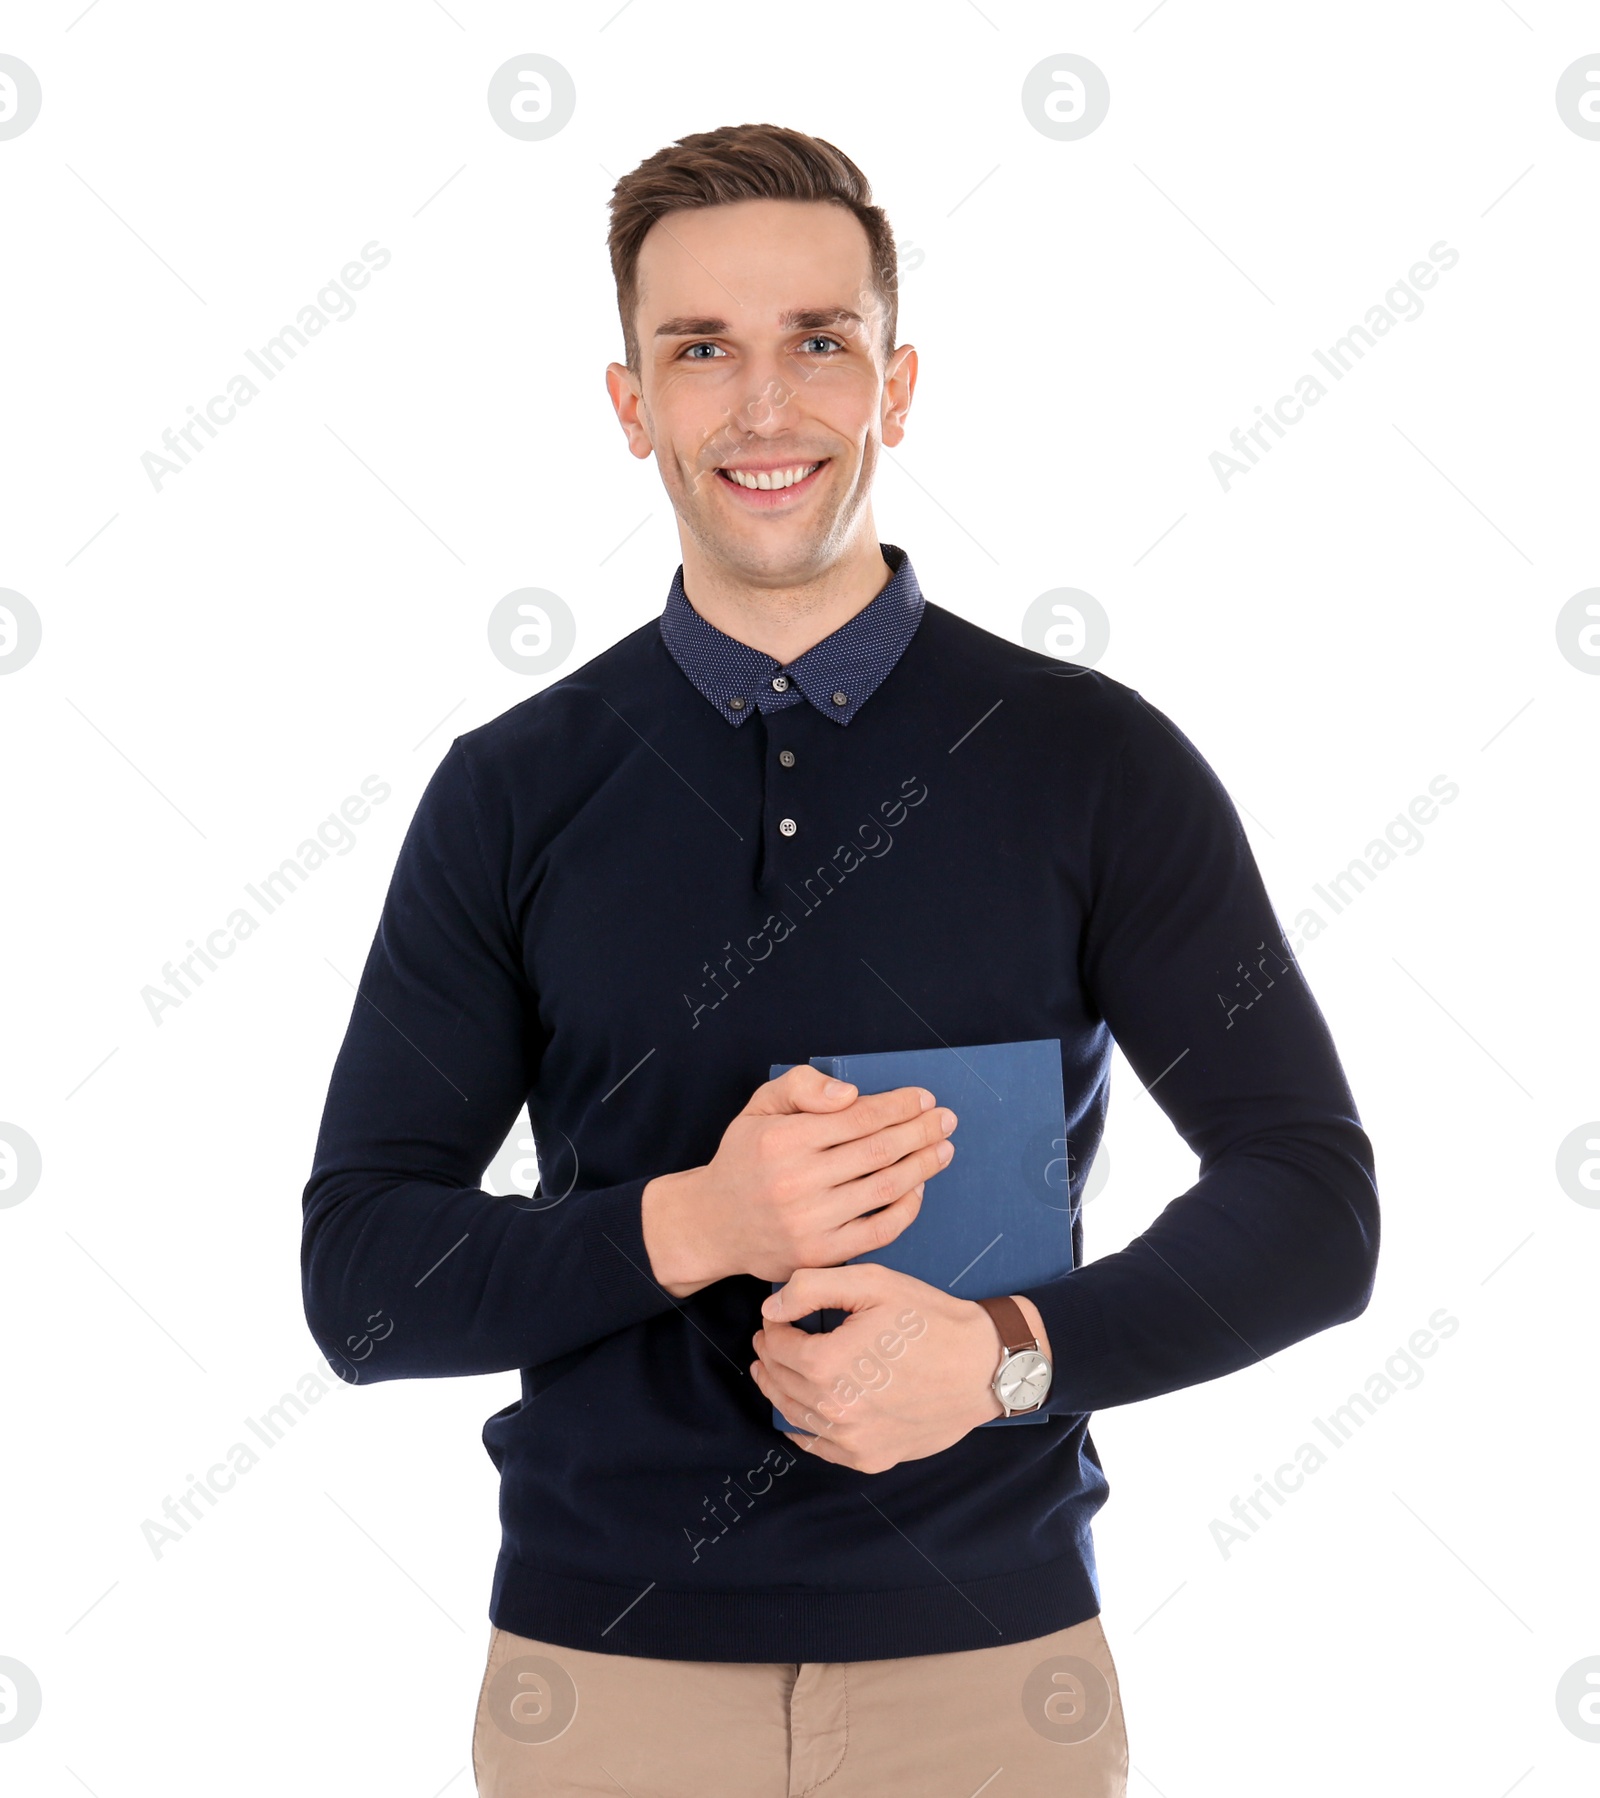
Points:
(742, 162)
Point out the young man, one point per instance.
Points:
(805, 812)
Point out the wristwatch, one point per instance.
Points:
(1023, 1380)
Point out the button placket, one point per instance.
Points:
(833, 788)
(797, 804)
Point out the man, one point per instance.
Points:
(806, 812)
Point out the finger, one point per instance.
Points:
(884, 1148)
(789, 1401)
(865, 1235)
(785, 1348)
(792, 1356)
(788, 1359)
(802, 1088)
(809, 1289)
(823, 1450)
(852, 1202)
(871, 1112)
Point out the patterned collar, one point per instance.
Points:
(838, 675)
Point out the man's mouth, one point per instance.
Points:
(768, 485)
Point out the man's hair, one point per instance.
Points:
(743, 162)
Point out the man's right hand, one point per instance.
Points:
(791, 1179)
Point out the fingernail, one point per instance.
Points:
(945, 1151)
(925, 1098)
(836, 1089)
(947, 1121)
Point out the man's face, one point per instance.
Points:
(760, 337)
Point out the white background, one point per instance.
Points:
(224, 660)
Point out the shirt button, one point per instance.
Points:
(736, 704)
(788, 826)
(780, 683)
(786, 756)
(841, 699)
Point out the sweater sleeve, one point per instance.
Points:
(1183, 957)
(409, 1268)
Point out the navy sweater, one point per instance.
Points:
(594, 912)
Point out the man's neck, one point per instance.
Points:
(784, 621)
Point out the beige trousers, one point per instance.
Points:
(1020, 1720)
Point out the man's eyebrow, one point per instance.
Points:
(805, 318)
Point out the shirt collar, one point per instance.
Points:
(848, 666)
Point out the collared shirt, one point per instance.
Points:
(838, 675)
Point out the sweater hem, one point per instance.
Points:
(792, 1623)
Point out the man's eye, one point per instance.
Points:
(821, 338)
(704, 346)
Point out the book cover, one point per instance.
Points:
(996, 1219)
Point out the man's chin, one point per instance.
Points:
(760, 547)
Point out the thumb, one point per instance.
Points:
(850, 1287)
(802, 1088)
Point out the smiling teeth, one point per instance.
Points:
(779, 477)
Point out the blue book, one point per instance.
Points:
(996, 1219)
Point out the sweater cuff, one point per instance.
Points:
(1070, 1311)
(612, 1222)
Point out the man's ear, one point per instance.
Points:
(628, 399)
(899, 383)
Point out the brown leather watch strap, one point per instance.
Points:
(1015, 1334)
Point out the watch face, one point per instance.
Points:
(1023, 1381)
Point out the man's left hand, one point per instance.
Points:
(905, 1375)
